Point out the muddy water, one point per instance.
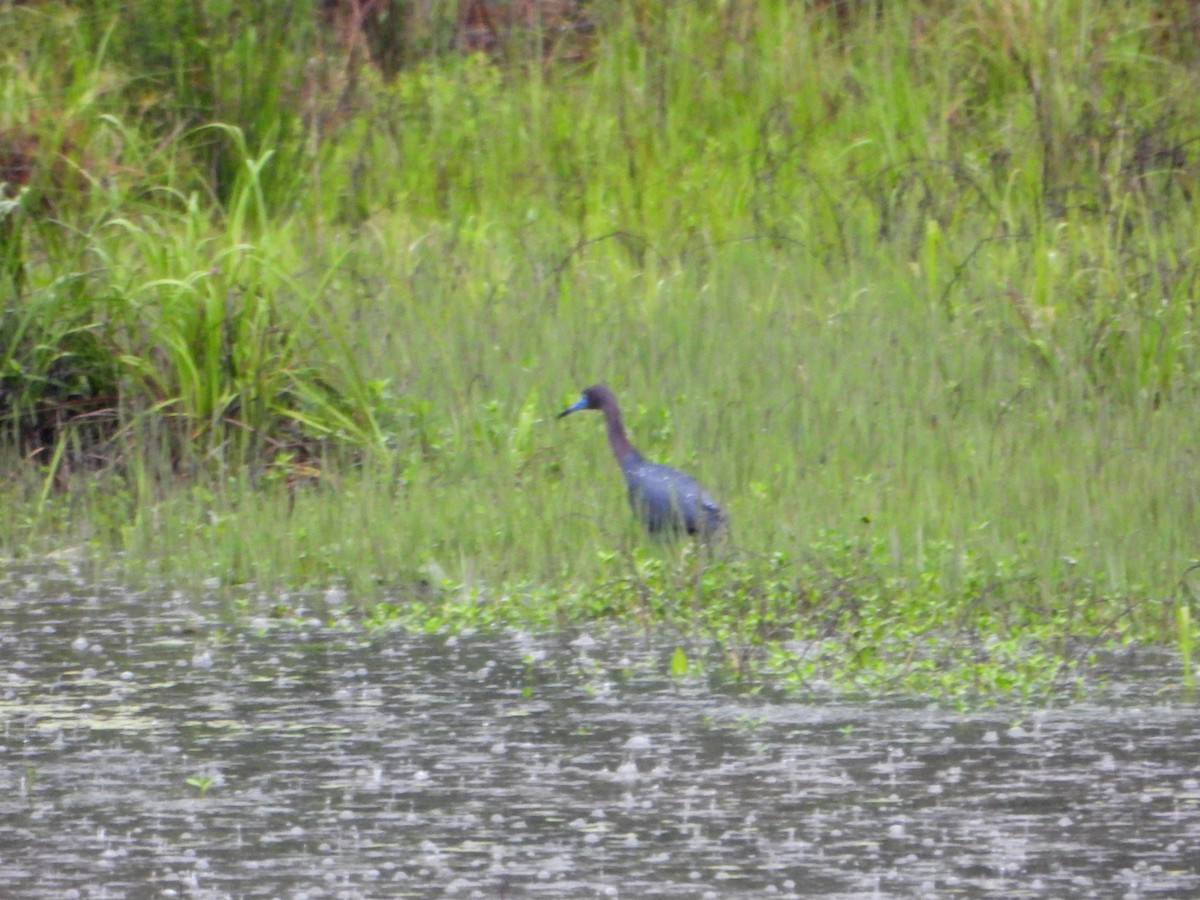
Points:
(150, 746)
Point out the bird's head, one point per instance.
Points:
(595, 397)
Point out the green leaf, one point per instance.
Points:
(679, 663)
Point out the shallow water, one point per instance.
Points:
(324, 763)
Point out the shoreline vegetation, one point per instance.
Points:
(289, 300)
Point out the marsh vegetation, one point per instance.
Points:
(912, 289)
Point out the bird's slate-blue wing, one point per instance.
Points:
(667, 499)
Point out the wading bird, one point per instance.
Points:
(664, 498)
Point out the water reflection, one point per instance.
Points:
(146, 743)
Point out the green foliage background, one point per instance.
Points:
(913, 289)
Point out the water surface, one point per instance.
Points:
(151, 746)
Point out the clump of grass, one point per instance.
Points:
(152, 316)
(194, 334)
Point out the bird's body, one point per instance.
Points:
(664, 498)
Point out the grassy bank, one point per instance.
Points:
(914, 293)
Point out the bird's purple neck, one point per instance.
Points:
(617, 439)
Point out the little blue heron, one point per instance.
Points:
(665, 498)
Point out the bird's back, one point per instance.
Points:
(667, 499)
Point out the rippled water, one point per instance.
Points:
(148, 749)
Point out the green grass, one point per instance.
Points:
(914, 294)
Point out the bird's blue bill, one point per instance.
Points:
(579, 404)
